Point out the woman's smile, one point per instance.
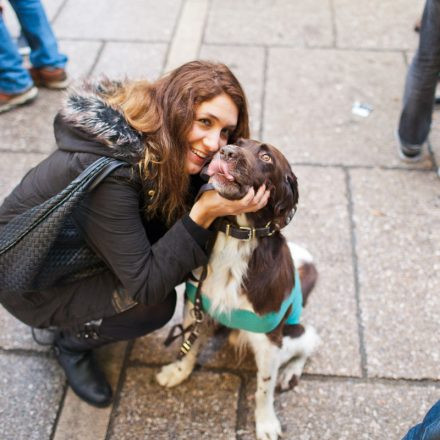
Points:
(199, 154)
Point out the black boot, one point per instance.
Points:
(74, 354)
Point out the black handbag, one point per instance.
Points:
(42, 247)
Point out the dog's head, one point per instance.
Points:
(248, 163)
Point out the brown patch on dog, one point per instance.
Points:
(308, 276)
(270, 276)
(293, 331)
(293, 382)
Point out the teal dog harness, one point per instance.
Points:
(250, 321)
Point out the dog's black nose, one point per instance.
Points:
(229, 152)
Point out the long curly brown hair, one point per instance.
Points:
(164, 112)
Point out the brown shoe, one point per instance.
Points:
(8, 101)
(49, 77)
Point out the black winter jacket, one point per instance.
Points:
(145, 260)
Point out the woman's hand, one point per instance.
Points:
(212, 205)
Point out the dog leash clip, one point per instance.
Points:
(187, 344)
(197, 312)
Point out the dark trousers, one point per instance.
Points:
(421, 80)
(138, 321)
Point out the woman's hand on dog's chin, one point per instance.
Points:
(212, 205)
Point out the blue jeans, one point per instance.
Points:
(421, 80)
(14, 78)
(429, 429)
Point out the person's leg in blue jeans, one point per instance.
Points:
(421, 81)
(14, 78)
(38, 33)
(429, 429)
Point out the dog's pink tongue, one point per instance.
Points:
(218, 166)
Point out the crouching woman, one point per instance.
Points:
(142, 221)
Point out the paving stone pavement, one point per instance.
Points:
(371, 222)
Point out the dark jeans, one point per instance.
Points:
(429, 429)
(421, 80)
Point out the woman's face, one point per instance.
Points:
(214, 121)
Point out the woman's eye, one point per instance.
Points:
(205, 122)
(265, 157)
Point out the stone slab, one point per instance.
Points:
(120, 60)
(186, 42)
(397, 217)
(31, 389)
(79, 420)
(203, 407)
(347, 410)
(143, 20)
(19, 135)
(248, 65)
(377, 24)
(265, 22)
(321, 225)
(82, 57)
(15, 335)
(309, 100)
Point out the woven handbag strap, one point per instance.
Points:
(109, 166)
(85, 182)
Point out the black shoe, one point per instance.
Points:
(75, 356)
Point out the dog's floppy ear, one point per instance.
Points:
(286, 200)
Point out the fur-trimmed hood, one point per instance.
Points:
(87, 123)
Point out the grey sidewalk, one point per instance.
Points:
(371, 222)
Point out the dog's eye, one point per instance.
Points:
(225, 133)
(265, 157)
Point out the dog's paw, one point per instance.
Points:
(288, 378)
(173, 374)
(268, 426)
(290, 374)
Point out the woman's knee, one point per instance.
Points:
(162, 313)
(139, 320)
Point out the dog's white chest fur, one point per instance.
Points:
(227, 268)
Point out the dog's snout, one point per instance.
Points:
(229, 152)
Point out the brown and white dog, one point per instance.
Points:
(255, 274)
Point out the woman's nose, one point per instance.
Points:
(212, 141)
